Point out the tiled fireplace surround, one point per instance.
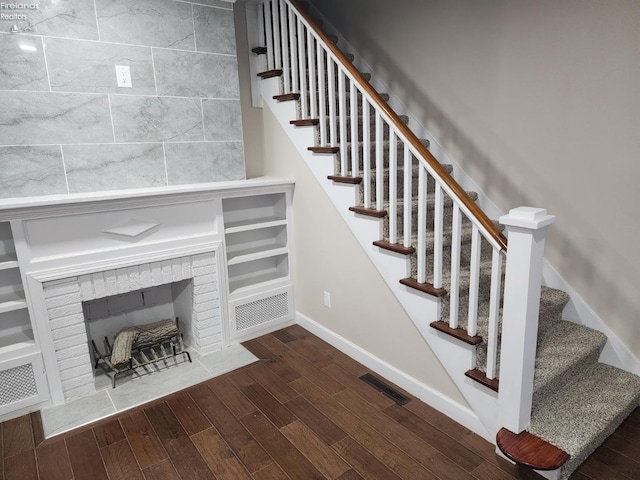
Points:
(63, 298)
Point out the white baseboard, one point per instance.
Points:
(454, 410)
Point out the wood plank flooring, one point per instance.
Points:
(300, 413)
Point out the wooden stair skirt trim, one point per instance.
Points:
(370, 212)
(459, 333)
(529, 450)
(349, 180)
(259, 50)
(423, 287)
(481, 378)
(305, 122)
(394, 247)
(270, 74)
(324, 149)
(285, 97)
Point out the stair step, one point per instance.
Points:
(423, 287)
(259, 50)
(458, 333)
(270, 74)
(370, 212)
(348, 180)
(324, 149)
(578, 417)
(394, 247)
(530, 450)
(480, 377)
(305, 122)
(285, 97)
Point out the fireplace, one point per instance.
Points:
(197, 303)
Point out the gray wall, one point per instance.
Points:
(538, 102)
(65, 125)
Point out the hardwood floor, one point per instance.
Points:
(300, 413)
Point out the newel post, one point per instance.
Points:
(526, 233)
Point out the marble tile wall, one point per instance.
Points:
(67, 127)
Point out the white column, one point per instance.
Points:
(526, 233)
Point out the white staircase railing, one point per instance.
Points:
(399, 176)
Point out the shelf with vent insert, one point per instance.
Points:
(15, 330)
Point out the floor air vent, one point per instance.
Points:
(390, 392)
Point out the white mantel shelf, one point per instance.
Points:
(52, 205)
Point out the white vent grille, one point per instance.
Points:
(17, 384)
(262, 311)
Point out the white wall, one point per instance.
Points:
(539, 103)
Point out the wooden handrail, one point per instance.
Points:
(415, 143)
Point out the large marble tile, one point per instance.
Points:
(28, 118)
(92, 168)
(73, 414)
(80, 66)
(215, 30)
(155, 23)
(31, 171)
(158, 383)
(22, 66)
(214, 3)
(190, 74)
(68, 18)
(189, 163)
(156, 119)
(222, 120)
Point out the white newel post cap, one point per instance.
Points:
(530, 218)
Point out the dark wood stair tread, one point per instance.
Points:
(305, 122)
(349, 180)
(285, 97)
(459, 333)
(270, 74)
(481, 378)
(530, 450)
(423, 287)
(370, 212)
(259, 50)
(394, 247)
(324, 149)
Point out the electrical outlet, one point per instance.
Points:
(327, 299)
(123, 76)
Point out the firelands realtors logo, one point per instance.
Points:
(16, 11)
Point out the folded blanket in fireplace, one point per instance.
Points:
(140, 336)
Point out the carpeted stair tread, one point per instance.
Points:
(563, 351)
(583, 413)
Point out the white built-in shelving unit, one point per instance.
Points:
(257, 240)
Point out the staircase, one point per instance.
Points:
(454, 253)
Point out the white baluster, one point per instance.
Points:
(353, 103)
(474, 279)
(454, 292)
(284, 41)
(331, 72)
(422, 224)
(393, 187)
(293, 39)
(304, 109)
(408, 194)
(322, 100)
(494, 314)
(311, 44)
(366, 151)
(379, 162)
(261, 25)
(438, 222)
(275, 19)
(269, 36)
(342, 118)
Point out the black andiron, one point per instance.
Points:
(139, 346)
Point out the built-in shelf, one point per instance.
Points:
(253, 224)
(254, 254)
(15, 341)
(256, 273)
(8, 261)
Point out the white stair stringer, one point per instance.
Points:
(457, 357)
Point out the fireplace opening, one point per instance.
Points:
(135, 311)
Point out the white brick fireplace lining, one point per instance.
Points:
(64, 297)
